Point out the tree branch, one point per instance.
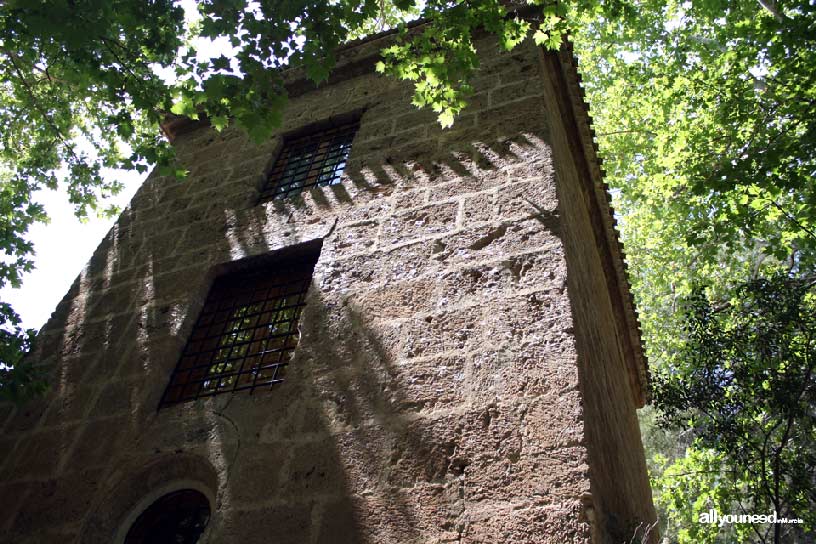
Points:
(647, 132)
(773, 9)
(36, 104)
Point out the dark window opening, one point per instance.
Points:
(317, 159)
(177, 518)
(246, 332)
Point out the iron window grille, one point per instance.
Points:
(317, 159)
(245, 335)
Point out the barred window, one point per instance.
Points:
(317, 159)
(246, 333)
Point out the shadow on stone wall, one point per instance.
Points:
(338, 453)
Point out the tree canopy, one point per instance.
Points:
(704, 114)
(743, 382)
(705, 118)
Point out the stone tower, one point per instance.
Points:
(368, 330)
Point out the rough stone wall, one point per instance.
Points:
(621, 505)
(436, 393)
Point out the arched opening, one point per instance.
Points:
(176, 518)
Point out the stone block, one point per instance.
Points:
(342, 275)
(515, 91)
(27, 416)
(472, 285)
(480, 100)
(71, 401)
(524, 523)
(490, 242)
(314, 468)
(164, 242)
(352, 396)
(530, 318)
(218, 168)
(365, 456)
(397, 300)
(410, 199)
(363, 206)
(404, 262)
(428, 384)
(506, 371)
(374, 130)
(12, 495)
(421, 117)
(479, 209)
(420, 223)
(72, 369)
(510, 117)
(187, 427)
(41, 454)
(356, 237)
(337, 328)
(7, 445)
(425, 451)
(59, 535)
(259, 472)
(202, 235)
(546, 268)
(47, 342)
(99, 441)
(201, 209)
(286, 406)
(338, 523)
(488, 431)
(471, 179)
(546, 477)
(554, 421)
(118, 299)
(531, 198)
(116, 398)
(391, 516)
(442, 332)
(177, 285)
(280, 523)
(58, 502)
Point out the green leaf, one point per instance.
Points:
(445, 118)
(219, 122)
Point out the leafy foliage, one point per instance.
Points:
(78, 95)
(705, 120)
(745, 383)
(704, 115)
(692, 485)
(442, 57)
(21, 380)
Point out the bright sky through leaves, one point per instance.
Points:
(65, 244)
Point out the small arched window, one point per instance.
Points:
(176, 518)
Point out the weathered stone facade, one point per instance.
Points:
(468, 369)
